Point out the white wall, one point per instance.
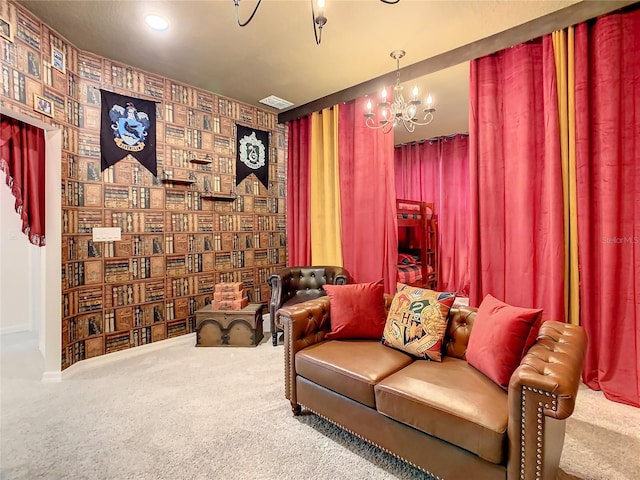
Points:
(20, 264)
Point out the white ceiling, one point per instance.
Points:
(276, 53)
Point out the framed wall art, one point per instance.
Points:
(58, 60)
(42, 105)
(6, 29)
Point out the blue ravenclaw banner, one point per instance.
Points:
(252, 150)
(128, 127)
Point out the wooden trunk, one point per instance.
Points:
(229, 328)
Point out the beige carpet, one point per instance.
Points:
(182, 412)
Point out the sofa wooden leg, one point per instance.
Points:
(296, 409)
(274, 338)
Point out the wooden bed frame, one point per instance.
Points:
(420, 218)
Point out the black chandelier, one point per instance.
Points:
(318, 20)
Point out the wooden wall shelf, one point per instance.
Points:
(220, 197)
(178, 181)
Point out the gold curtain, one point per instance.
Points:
(563, 46)
(326, 240)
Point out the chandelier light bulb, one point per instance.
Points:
(429, 100)
(369, 106)
(415, 92)
(384, 94)
(320, 7)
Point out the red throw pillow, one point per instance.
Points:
(357, 310)
(500, 338)
(406, 259)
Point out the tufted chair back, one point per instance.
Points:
(298, 284)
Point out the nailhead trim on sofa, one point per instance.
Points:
(540, 426)
(433, 476)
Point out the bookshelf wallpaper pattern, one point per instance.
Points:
(178, 240)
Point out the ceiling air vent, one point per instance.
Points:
(276, 102)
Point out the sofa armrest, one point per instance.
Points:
(542, 393)
(304, 324)
(279, 294)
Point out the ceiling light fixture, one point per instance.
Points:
(156, 22)
(399, 111)
(276, 102)
(319, 20)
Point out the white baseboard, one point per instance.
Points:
(189, 338)
(25, 327)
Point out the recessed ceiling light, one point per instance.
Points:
(156, 22)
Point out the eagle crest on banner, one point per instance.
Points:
(130, 127)
(252, 151)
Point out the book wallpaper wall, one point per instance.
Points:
(183, 231)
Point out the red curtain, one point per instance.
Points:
(298, 193)
(367, 199)
(437, 171)
(607, 89)
(516, 238)
(22, 153)
(453, 217)
(417, 167)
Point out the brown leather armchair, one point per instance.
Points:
(298, 284)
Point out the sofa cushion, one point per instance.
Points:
(417, 321)
(350, 367)
(500, 337)
(357, 311)
(449, 400)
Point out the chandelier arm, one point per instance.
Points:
(317, 36)
(236, 3)
(313, 21)
(318, 22)
(428, 116)
(409, 125)
(385, 127)
(369, 123)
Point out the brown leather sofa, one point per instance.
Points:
(447, 419)
(294, 285)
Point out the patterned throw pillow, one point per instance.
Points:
(417, 321)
